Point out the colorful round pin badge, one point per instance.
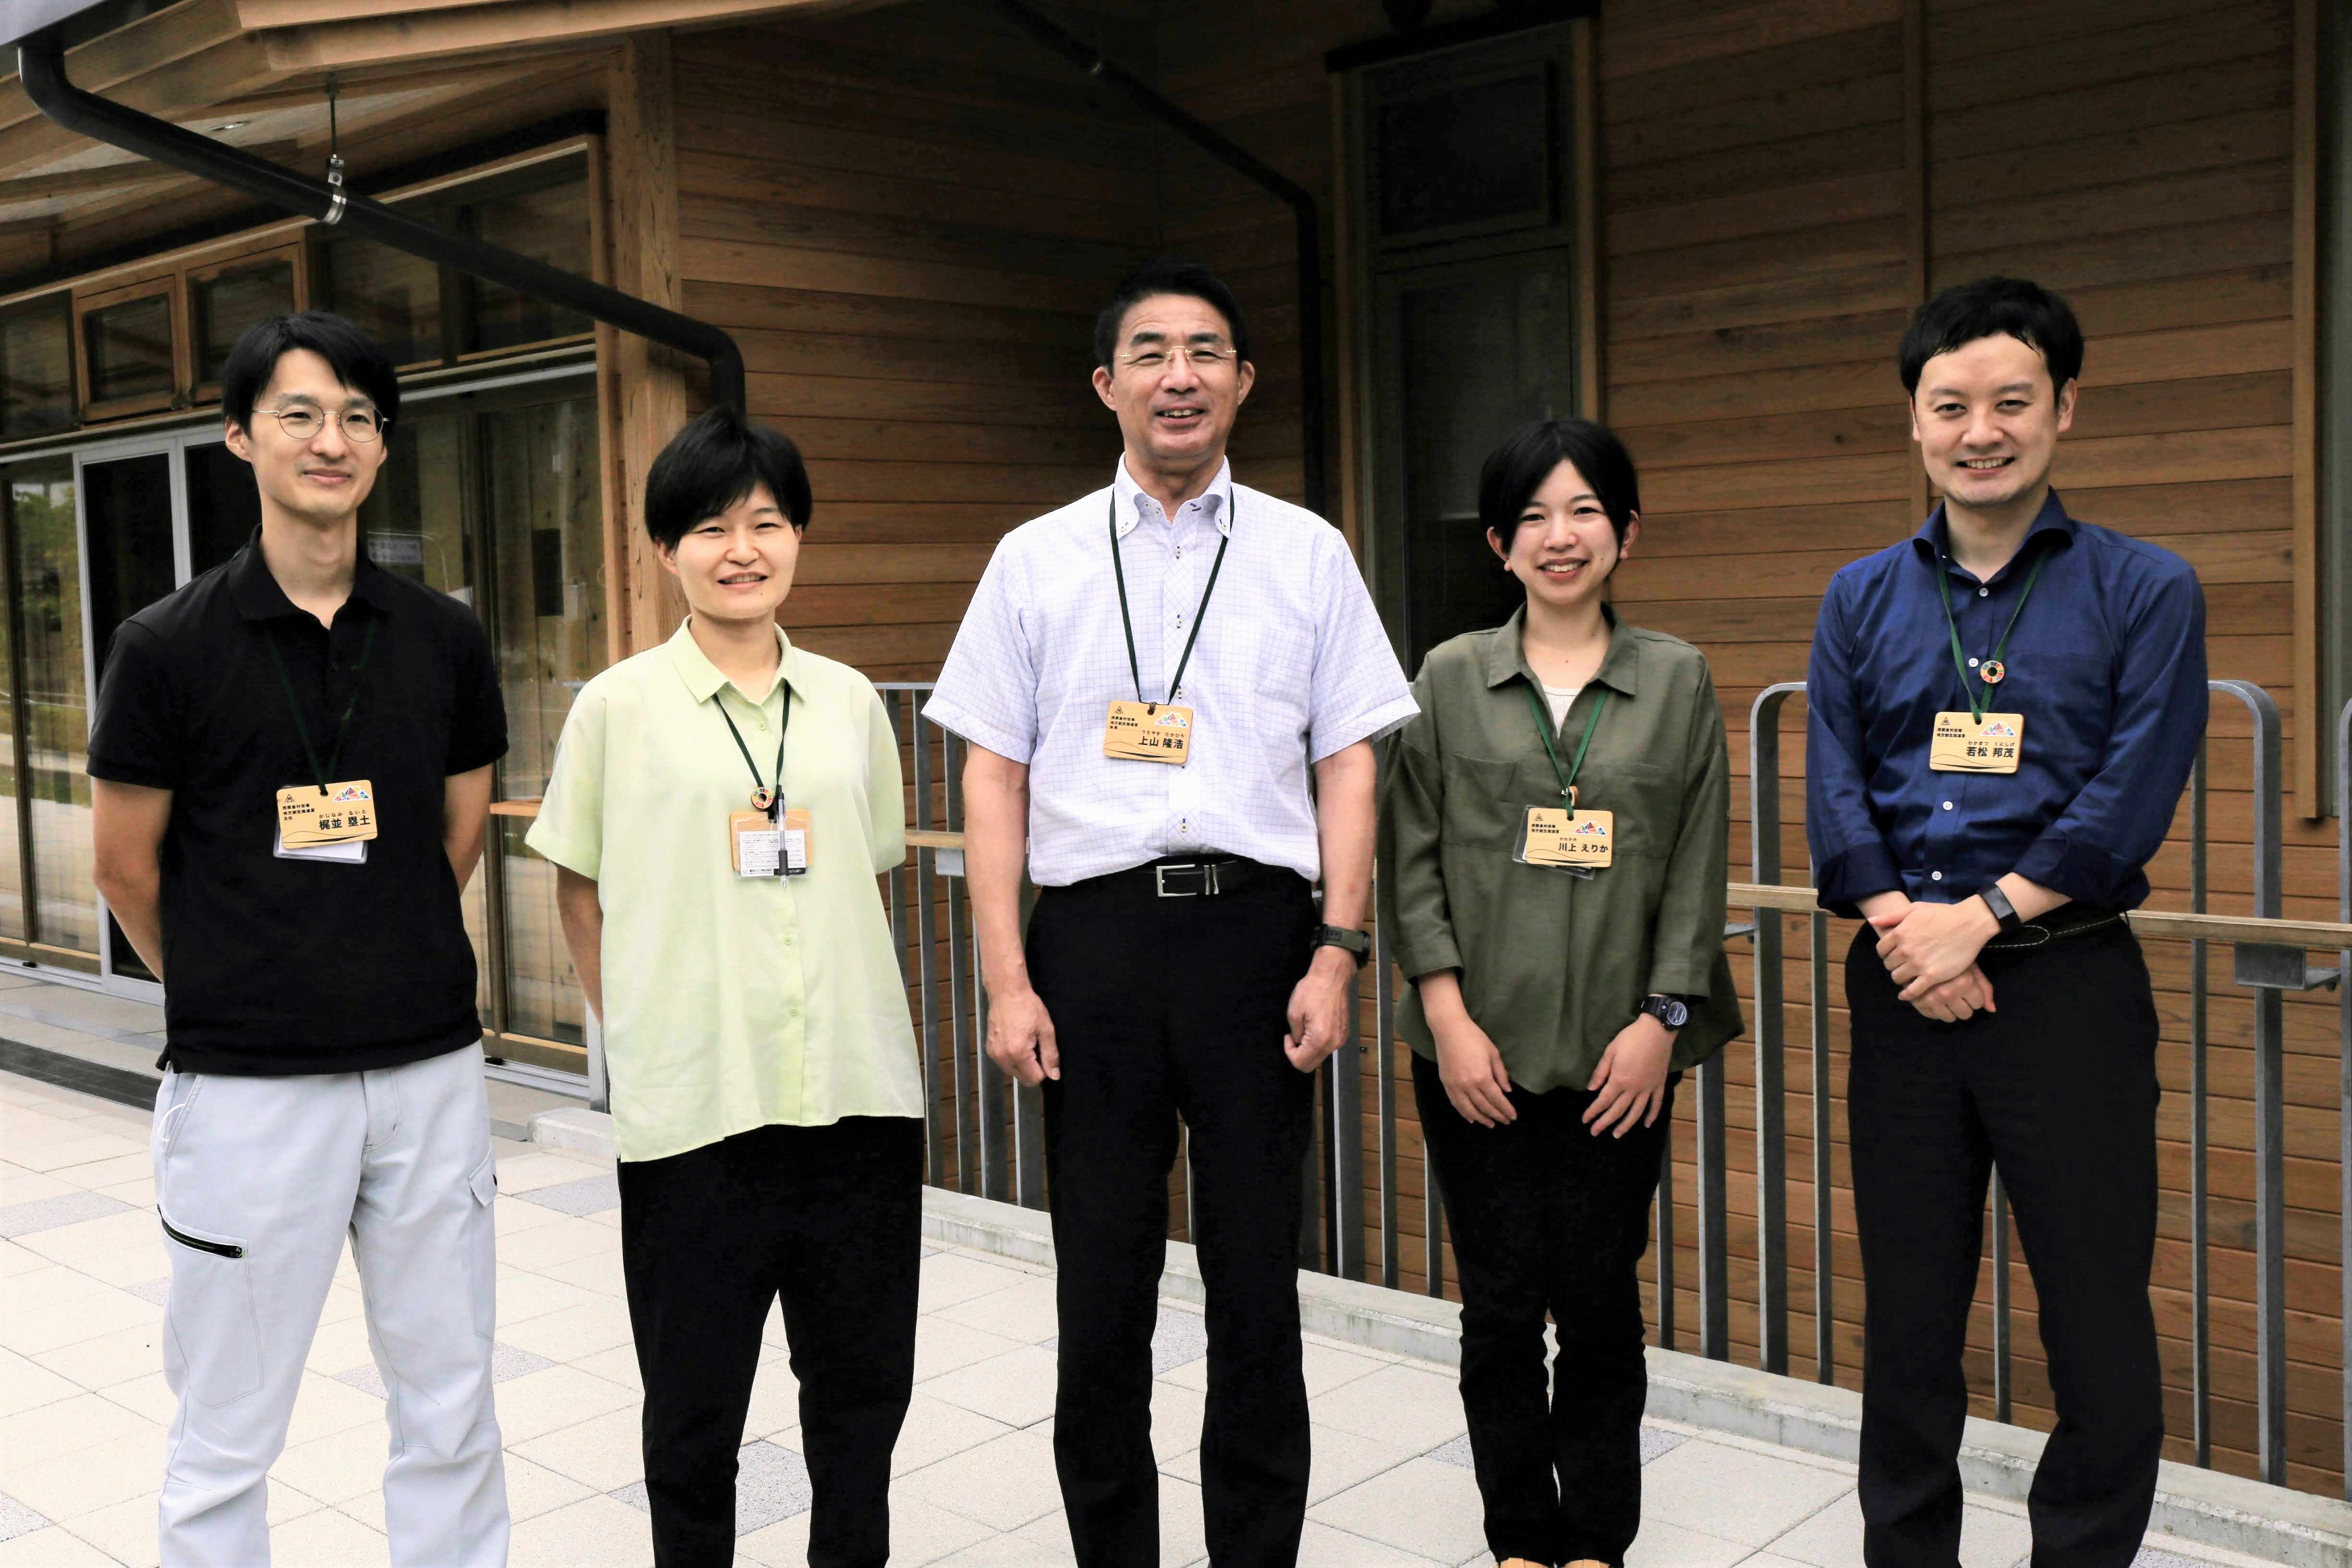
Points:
(1993, 672)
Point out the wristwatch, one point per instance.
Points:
(1347, 937)
(2002, 910)
(1671, 1011)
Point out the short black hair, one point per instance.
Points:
(1515, 470)
(1991, 308)
(358, 362)
(715, 461)
(1168, 275)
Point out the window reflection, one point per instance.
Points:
(549, 224)
(54, 782)
(129, 348)
(37, 368)
(232, 299)
(395, 296)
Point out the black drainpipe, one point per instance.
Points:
(40, 62)
(1226, 151)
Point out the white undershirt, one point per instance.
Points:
(1559, 697)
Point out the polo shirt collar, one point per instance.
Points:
(259, 597)
(1131, 505)
(702, 677)
(1507, 655)
(1933, 541)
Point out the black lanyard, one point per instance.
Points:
(1127, 626)
(1979, 699)
(1567, 777)
(343, 724)
(774, 801)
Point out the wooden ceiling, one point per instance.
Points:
(254, 73)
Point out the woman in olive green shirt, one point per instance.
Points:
(1553, 845)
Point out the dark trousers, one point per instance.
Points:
(1163, 1008)
(1546, 1217)
(830, 1218)
(2058, 1088)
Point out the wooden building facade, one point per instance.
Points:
(1703, 221)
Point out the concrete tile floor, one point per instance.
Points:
(83, 1407)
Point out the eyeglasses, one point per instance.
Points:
(302, 422)
(1199, 356)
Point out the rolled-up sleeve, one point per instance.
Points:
(1687, 940)
(885, 794)
(987, 690)
(2095, 850)
(1850, 859)
(1358, 692)
(1412, 894)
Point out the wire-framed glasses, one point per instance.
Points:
(1199, 356)
(302, 422)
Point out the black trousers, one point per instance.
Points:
(1163, 1008)
(831, 1219)
(1546, 1217)
(2058, 1088)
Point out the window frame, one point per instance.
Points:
(86, 304)
(292, 251)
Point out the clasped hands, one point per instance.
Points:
(1930, 951)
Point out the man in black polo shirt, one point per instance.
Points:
(292, 766)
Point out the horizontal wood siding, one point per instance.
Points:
(908, 220)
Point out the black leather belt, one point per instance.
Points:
(1199, 877)
(2065, 921)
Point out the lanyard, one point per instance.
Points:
(343, 724)
(768, 800)
(1568, 778)
(1979, 698)
(1127, 626)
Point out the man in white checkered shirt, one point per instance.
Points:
(1175, 962)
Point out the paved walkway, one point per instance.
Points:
(83, 1407)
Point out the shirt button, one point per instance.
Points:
(1935, 875)
(788, 938)
(1947, 805)
(1972, 664)
(1982, 591)
(1179, 552)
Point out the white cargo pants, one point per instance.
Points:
(258, 1181)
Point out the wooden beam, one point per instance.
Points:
(131, 50)
(261, 14)
(643, 392)
(2310, 691)
(503, 24)
(226, 70)
(1914, 205)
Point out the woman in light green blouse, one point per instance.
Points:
(1553, 843)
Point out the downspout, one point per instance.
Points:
(1309, 220)
(40, 62)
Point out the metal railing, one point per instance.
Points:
(980, 1141)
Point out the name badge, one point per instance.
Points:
(758, 845)
(309, 818)
(1149, 732)
(1962, 746)
(1567, 840)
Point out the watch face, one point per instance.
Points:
(1670, 1012)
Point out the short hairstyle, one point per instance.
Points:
(1168, 275)
(1515, 470)
(715, 461)
(1990, 308)
(358, 362)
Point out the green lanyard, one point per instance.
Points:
(1979, 699)
(1127, 626)
(343, 724)
(1567, 777)
(771, 801)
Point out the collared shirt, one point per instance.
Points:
(280, 966)
(1292, 664)
(2106, 667)
(735, 1002)
(1553, 965)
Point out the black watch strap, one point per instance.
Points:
(2002, 910)
(1347, 937)
(1674, 1012)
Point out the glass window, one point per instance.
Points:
(128, 346)
(395, 296)
(37, 368)
(550, 225)
(1462, 155)
(228, 301)
(55, 779)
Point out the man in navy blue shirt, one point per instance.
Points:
(2004, 711)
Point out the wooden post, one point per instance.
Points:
(2313, 725)
(646, 395)
(1915, 204)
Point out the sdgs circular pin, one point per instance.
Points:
(1993, 672)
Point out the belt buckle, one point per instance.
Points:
(1207, 873)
